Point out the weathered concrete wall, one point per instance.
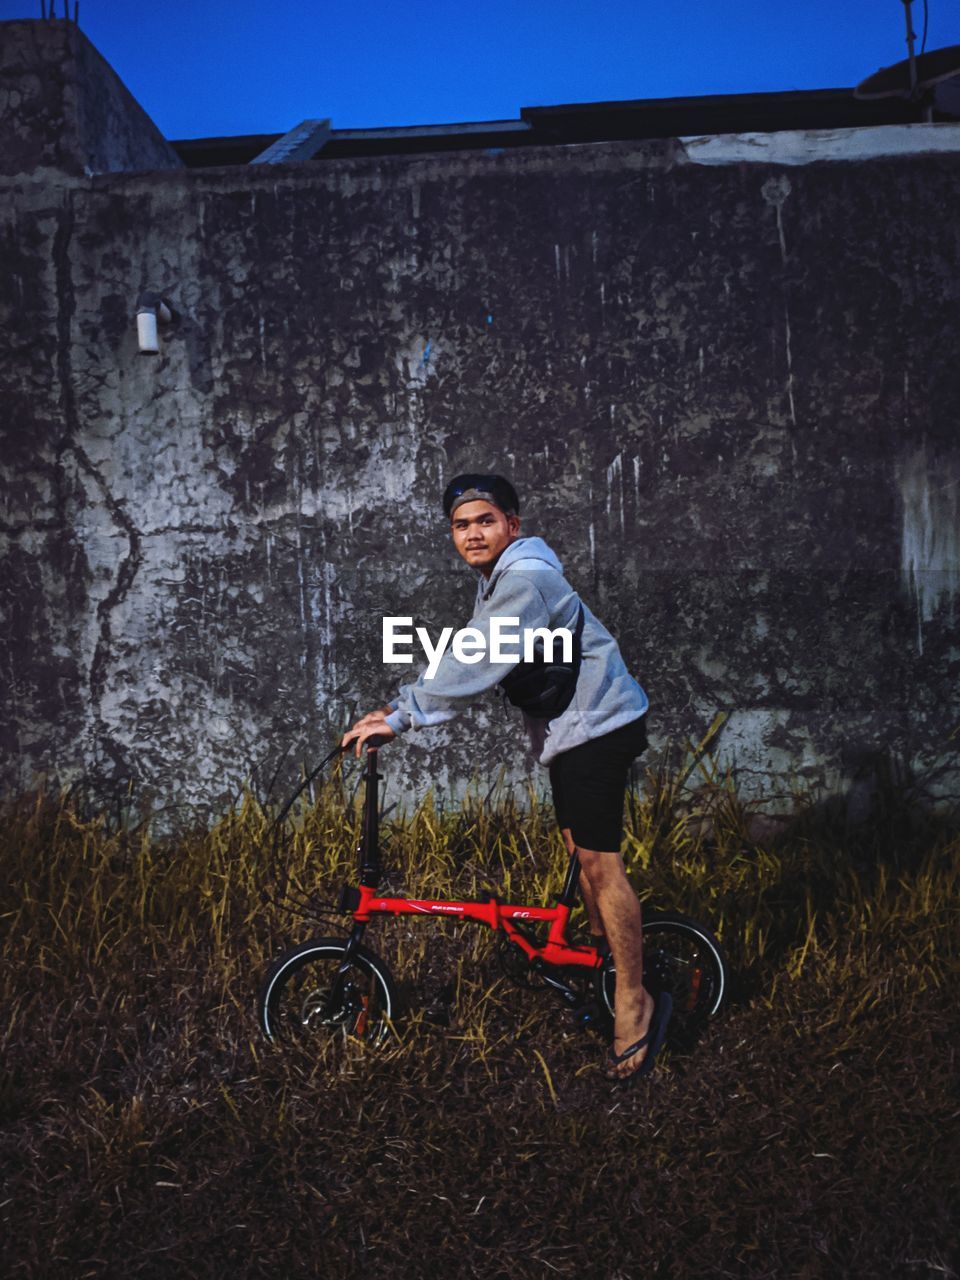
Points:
(727, 394)
(64, 111)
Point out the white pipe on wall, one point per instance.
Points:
(148, 338)
(152, 311)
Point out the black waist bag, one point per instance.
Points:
(545, 689)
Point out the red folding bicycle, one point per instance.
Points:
(336, 986)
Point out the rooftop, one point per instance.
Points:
(641, 118)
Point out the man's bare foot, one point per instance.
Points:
(636, 1027)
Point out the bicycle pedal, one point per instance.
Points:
(587, 1016)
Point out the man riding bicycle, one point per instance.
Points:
(590, 733)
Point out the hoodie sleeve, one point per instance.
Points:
(428, 702)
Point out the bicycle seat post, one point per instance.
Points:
(571, 884)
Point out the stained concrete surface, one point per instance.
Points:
(727, 395)
(63, 110)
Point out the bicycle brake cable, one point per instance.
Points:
(281, 898)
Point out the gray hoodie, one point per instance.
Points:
(528, 583)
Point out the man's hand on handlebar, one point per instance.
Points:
(373, 725)
(374, 715)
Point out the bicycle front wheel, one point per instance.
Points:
(313, 993)
(684, 958)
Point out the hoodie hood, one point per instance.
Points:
(533, 552)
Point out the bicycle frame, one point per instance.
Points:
(364, 902)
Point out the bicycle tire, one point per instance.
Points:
(305, 997)
(683, 957)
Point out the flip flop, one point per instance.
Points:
(654, 1038)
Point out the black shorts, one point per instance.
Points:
(589, 783)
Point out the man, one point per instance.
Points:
(587, 747)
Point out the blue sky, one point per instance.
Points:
(212, 67)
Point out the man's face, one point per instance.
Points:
(481, 532)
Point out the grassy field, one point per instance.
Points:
(147, 1129)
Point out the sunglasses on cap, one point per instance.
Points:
(491, 488)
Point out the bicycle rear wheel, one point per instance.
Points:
(312, 993)
(684, 958)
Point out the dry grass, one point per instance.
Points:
(147, 1130)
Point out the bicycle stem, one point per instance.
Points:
(368, 851)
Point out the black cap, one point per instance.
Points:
(473, 487)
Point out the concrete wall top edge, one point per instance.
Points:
(664, 155)
(814, 146)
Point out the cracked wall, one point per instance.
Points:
(725, 394)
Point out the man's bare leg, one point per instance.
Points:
(619, 910)
(589, 900)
